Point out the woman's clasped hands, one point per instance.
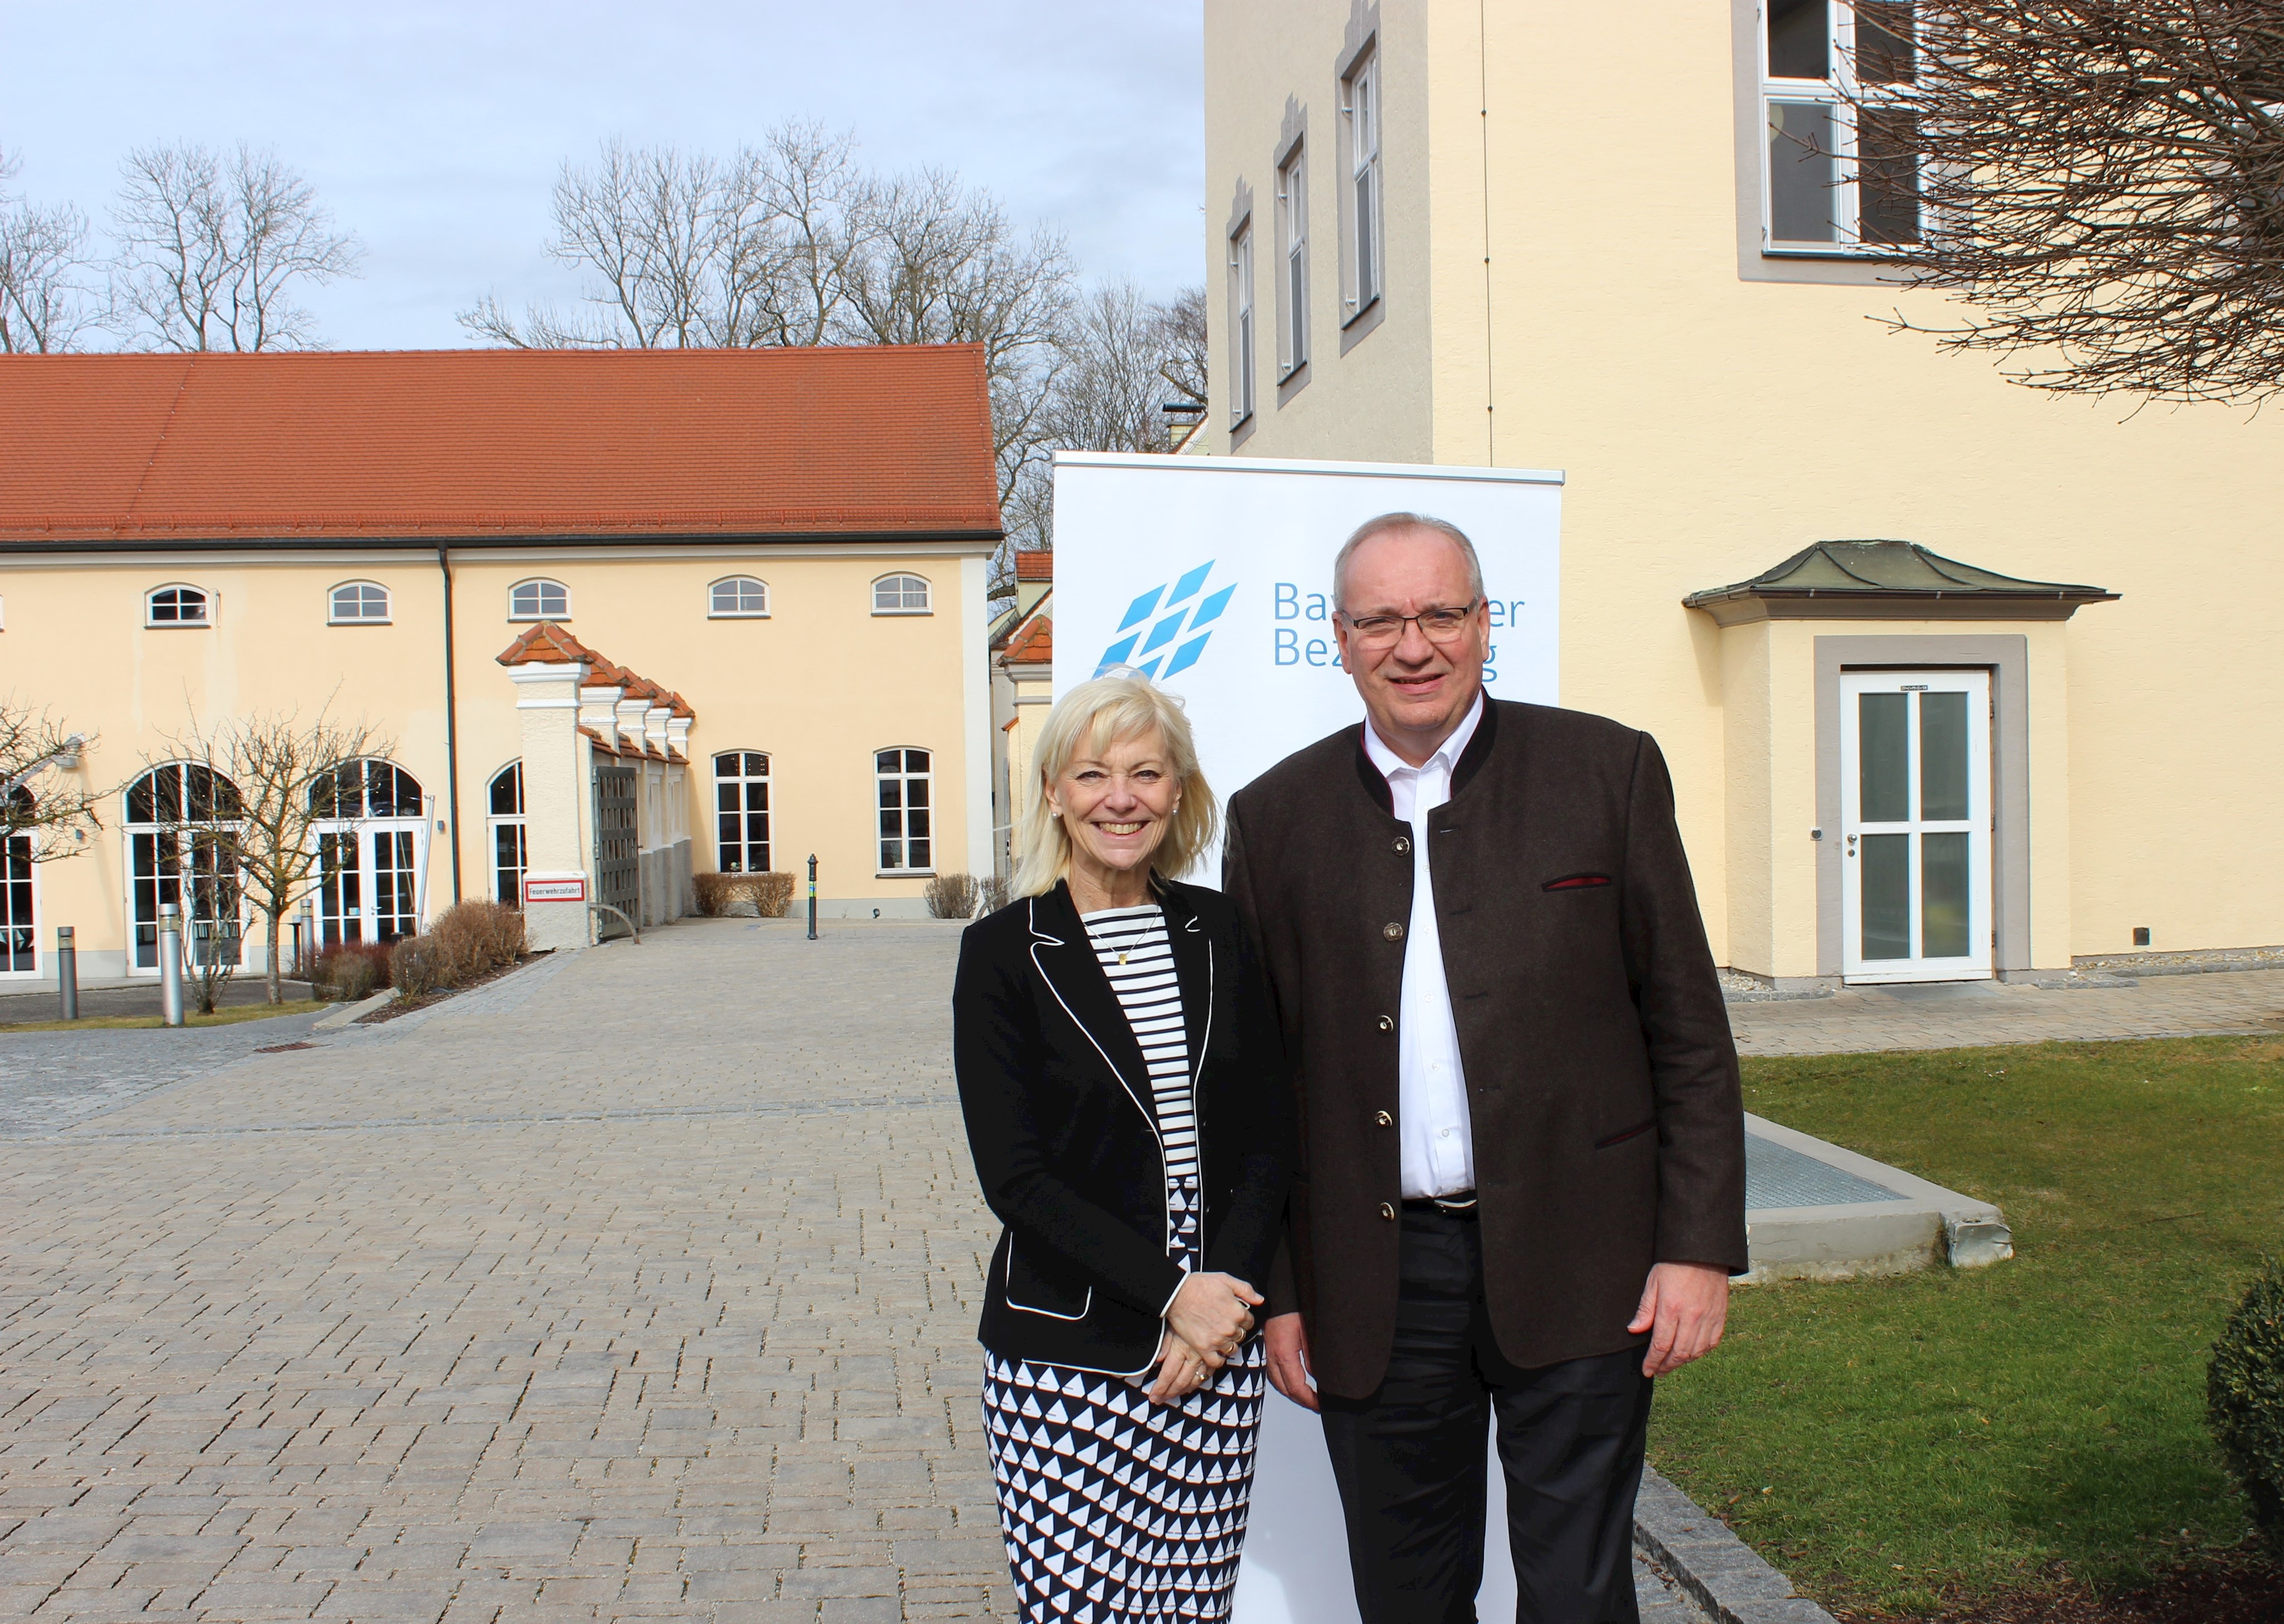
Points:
(1206, 1323)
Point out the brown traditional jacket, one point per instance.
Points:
(1602, 1080)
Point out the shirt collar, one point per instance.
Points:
(1449, 752)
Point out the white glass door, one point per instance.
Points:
(368, 887)
(1915, 825)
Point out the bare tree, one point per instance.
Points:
(45, 300)
(42, 816)
(1181, 338)
(2100, 184)
(213, 249)
(276, 782)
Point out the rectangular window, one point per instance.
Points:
(1293, 288)
(1361, 258)
(1240, 322)
(1841, 172)
(907, 810)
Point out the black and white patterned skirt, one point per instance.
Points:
(1117, 1509)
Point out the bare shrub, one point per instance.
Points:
(417, 966)
(348, 971)
(995, 893)
(953, 897)
(478, 937)
(719, 895)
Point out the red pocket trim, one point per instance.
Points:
(1575, 882)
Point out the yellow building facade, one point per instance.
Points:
(1494, 235)
(779, 559)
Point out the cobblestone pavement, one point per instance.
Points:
(639, 1284)
(1965, 1014)
(49, 1080)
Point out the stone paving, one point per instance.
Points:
(1970, 1013)
(638, 1284)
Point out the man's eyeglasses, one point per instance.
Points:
(1437, 625)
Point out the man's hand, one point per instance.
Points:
(1684, 1307)
(1286, 1339)
(1213, 1313)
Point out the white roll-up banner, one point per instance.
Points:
(1213, 576)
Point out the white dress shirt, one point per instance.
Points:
(1438, 1139)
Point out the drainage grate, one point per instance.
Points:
(1778, 1176)
(280, 1049)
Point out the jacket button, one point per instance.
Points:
(1388, 1211)
(1388, 1023)
(1393, 931)
(1402, 844)
(1382, 1120)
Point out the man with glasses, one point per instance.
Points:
(1522, 1185)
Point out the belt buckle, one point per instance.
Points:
(1454, 1206)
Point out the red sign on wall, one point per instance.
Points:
(572, 888)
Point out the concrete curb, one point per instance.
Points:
(356, 1011)
(1719, 1571)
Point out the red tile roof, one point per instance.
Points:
(548, 645)
(497, 444)
(1036, 564)
(1033, 644)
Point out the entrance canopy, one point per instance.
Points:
(1884, 580)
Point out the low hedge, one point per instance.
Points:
(2244, 1397)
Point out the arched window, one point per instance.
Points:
(178, 606)
(539, 600)
(182, 848)
(369, 862)
(737, 598)
(365, 789)
(19, 930)
(907, 840)
(742, 812)
(900, 595)
(509, 860)
(358, 603)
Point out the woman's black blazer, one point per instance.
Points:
(1066, 1143)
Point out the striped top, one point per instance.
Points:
(1130, 945)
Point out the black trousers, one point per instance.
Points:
(1409, 1459)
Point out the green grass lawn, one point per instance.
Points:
(1954, 1435)
(227, 1016)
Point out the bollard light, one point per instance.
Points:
(67, 970)
(812, 897)
(170, 963)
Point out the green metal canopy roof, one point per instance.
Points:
(1889, 581)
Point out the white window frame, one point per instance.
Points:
(31, 880)
(1363, 213)
(334, 617)
(903, 837)
(743, 812)
(714, 610)
(207, 601)
(1833, 92)
(538, 583)
(1243, 337)
(495, 821)
(927, 594)
(1292, 267)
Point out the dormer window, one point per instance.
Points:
(178, 606)
(539, 600)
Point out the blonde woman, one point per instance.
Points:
(1121, 1072)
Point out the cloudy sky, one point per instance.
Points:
(434, 131)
